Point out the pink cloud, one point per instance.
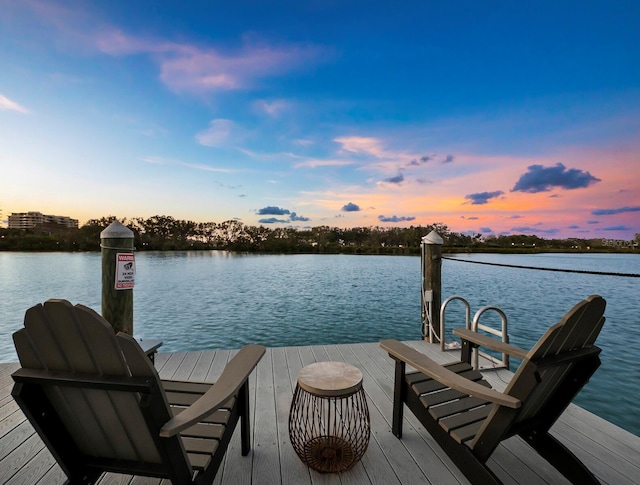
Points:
(361, 144)
(196, 70)
(323, 163)
(183, 67)
(189, 68)
(218, 134)
(114, 42)
(7, 105)
(273, 108)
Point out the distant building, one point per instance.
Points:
(28, 220)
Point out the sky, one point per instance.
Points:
(492, 117)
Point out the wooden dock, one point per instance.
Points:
(610, 452)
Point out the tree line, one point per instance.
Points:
(165, 233)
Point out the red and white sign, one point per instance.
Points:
(125, 271)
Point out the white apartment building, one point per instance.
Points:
(28, 220)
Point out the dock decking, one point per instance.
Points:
(610, 452)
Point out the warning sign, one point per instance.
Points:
(125, 271)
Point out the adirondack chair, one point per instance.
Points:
(469, 419)
(98, 404)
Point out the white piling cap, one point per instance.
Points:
(432, 238)
(116, 230)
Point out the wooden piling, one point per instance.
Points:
(431, 294)
(118, 270)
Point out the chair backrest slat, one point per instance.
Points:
(578, 329)
(39, 327)
(27, 352)
(103, 423)
(543, 372)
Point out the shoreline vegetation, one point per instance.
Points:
(165, 233)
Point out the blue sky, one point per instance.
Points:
(492, 117)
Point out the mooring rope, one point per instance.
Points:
(628, 275)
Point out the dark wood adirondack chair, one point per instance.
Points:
(469, 419)
(98, 404)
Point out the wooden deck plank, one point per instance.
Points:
(22, 457)
(612, 453)
(13, 438)
(382, 459)
(186, 367)
(201, 369)
(292, 469)
(35, 470)
(434, 459)
(434, 469)
(171, 364)
(266, 463)
(54, 475)
(218, 364)
(372, 468)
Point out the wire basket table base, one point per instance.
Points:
(329, 433)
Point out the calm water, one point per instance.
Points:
(206, 300)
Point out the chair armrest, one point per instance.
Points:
(424, 364)
(233, 377)
(490, 343)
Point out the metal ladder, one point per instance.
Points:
(475, 325)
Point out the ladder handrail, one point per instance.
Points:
(442, 317)
(503, 333)
(473, 325)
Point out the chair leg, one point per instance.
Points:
(399, 397)
(560, 457)
(245, 426)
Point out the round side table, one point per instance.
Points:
(329, 423)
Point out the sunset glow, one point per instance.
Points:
(504, 118)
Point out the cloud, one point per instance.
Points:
(448, 159)
(361, 144)
(322, 163)
(296, 217)
(610, 212)
(279, 211)
(194, 166)
(207, 168)
(417, 162)
(485, 229)
(271, 220)
(472, 218)
(182, 66)
(593, 222)
(574, 227)
(543, 179)
(189, 68)
(394, 218)
(398, 179)
(303, 142)
(272, 108)
(483, 197)
(350, 207)
(515, 217)
(7, 105)
(218, 134)
(524, 229)
(617, 228)
(272, 210)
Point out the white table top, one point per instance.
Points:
(330, 379)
